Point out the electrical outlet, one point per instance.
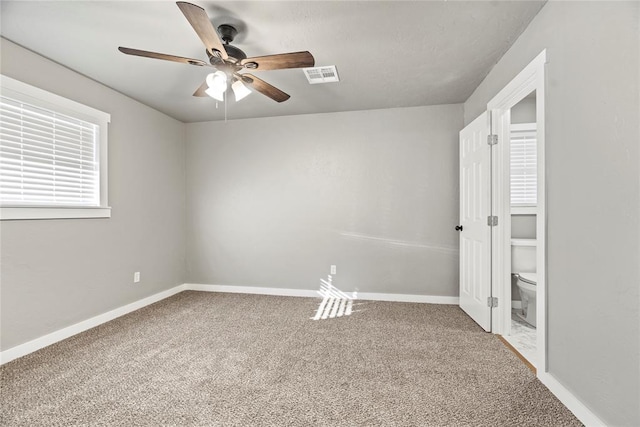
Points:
(333, 269)
(136, 277)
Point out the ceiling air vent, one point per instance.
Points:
(326, 74)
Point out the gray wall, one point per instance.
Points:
(274, 202)
(58, 272)
(593, 198)
(523, 226)
(524, 111)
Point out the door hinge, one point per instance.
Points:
(492, 139)
(492, 221)
(492, 302)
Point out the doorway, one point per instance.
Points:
(521, 331)
(492, 298)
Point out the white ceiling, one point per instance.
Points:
(388, 53)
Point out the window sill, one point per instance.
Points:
(26, 213)
(524, 210)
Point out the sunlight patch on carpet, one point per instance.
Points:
(335, 303)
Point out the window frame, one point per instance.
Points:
(23, 92)
(529, 208)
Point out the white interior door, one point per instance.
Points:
(475, 233)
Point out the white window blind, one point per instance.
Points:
(53, 155)
(47, 158)
(524, 165)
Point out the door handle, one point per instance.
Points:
(458, 227)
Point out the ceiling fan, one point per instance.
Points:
(228, 60)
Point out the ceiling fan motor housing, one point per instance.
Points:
(228, 33)
(235, 53)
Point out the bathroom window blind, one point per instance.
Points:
(47, 158)
(524, 165)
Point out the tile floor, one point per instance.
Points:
(523, 337)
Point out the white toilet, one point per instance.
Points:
(527, 285)
(523, 267)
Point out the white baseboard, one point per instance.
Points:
(61, 334)
(427, 299)
(371, 296)
(569, 400)
(285, 292)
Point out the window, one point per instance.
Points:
(52, 155)
(524, 165)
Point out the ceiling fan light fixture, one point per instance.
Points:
(217, 81)
(240, 90)
(215, 94)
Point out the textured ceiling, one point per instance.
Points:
(388, 53)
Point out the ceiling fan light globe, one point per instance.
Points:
(215, 94)
(240, 90)
(217, 81)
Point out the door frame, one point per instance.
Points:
(531, 78)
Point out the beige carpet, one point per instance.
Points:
(208, 359)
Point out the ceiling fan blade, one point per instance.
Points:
(166, 57)
(201, 90)
(199, 20)
(263, 87)
(279, 62)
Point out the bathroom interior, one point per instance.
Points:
(523, 177)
